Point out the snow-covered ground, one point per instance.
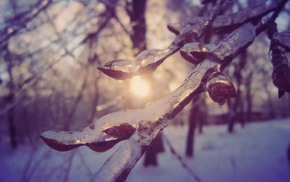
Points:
(253, 154)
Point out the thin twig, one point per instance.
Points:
(184, 165)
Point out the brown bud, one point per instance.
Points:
(220, 88)
(118, 75)
(102, 146)
(122, 131)
(59, 145)
(281, 77)
(177, 28)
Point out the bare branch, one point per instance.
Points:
(20, 21)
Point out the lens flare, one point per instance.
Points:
(139, 86)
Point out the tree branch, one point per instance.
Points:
(139, 127)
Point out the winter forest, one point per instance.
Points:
(145, 90)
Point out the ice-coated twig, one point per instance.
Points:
(184, 165)
(125, 157)
(225, 23)
(152, 118)
(114, 127)
(224, 51)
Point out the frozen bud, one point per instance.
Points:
(58, 145)
(280, 47)
(99, 136)
(120, 132)
(185, 37)
(177, 28)
(145, 62)
(121, 69)
(196, 52)
(220, 88)
(281, 78)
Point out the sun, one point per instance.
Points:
(139, 86)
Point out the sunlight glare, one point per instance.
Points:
(139, 86)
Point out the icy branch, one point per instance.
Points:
(139, 127)
(190, 31)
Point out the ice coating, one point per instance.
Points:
(231, 46)
(146, 121)
(124, 65)
(221, 21)
(110, 128)
(142, 125)
(223, 52)
(220, 88)
(150, 119)
(151, 56)
(177, 28)
(196, 52)
(283, 38)
(153, 117)
(193, 23)
(145, 62)
(224, 21)
(124, 158)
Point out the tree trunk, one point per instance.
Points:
(191, 132)
(197, 117)
(233, 108)
(249, 97)
(136, 11)
(10, 101)
(151, 153)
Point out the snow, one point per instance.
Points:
(254, 153)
